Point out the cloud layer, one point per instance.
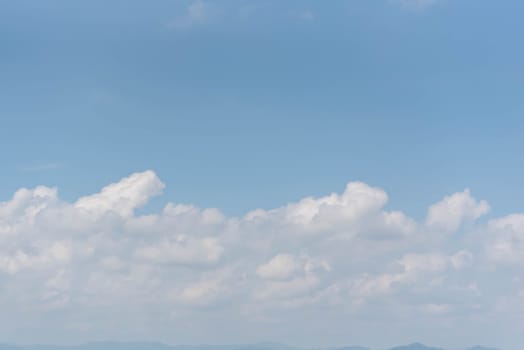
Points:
(77, 264)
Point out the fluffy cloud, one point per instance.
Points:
(282, 266)
(504, 239)
(58, 252)
(123, 197)
(452, 211)
(97, 256)
(182, 250)
(357, 212)
(414, 268)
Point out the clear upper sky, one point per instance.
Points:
(239, 105)
(255, 103)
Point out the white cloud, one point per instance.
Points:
(356, 212)
(415, 268)
(281, 267)
(58, 252)
(203, 293)
(183, 250)
(24, 206)
(288, 289)
(123, 197)
(452, 211)
(504, 239)
(96, 257)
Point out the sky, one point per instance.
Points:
(308, 172)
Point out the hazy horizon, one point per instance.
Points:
(263, 345)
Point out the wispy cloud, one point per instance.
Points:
(43, 166)
(416, 4)
(306, 15)
(196, 13)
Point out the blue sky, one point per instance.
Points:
(239, 105)
(254, 106)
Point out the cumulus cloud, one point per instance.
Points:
(356, 212)
(414, 269)
(452, 211)
(282, 266)
(504, 239)
(182, 250)
(96, 255)
(124, 196)
(58, 252)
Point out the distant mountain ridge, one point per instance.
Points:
(415, 346)
(110, 345)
